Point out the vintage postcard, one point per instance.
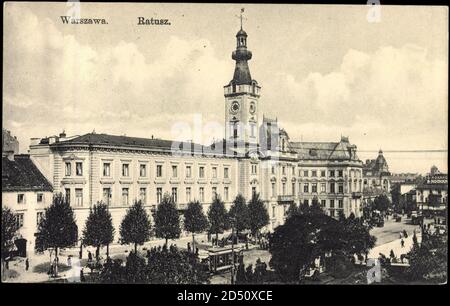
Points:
(176, 143)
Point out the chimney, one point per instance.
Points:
(52, 139)
(8, 154)
(34, 141)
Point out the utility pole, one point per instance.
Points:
(232, 252)
(107, 245)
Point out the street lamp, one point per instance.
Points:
(232, 221)
(107, 207)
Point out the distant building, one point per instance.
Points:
(432, 193)
(376, 173)
(255, 157)
(376, 178)
(10, 144)
(401, 178)
(403, 195)
(27, 192)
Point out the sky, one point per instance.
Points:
(325, 71)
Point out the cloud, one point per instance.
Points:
(383, 93)
(115, 88)
(392, 97)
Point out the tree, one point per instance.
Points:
(164, 266)
(167, 220)
(382, 203)
(259, 215)
(9, 230)
(218, 217)
(292, 210)
(296, 244)
(57, 228)
(428, 261)
(174, 266)
(356, 237)
(195, 220)
(239, 215)
(98, 230)
(135, 227)
(314, 208)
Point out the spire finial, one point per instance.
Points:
(241, 17)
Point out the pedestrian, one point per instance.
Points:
(27, 264)
(196, 250)
(82, 279)
(392, 255)
(89, 256)
(189, 247)
(69, 260)
(402, 242)
(52, 269)
(97, 254)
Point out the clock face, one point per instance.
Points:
(235, 107)
(252, 108)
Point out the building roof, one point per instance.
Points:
(241, 33)
(377, 166)
(322, 150)
(438, 181)
(21, 174)
(126, 141)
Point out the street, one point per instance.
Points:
(388, 237)
(391, 230)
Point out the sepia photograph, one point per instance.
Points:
(224, 144)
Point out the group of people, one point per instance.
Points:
(189, 248)
(172, 248)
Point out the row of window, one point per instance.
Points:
(143, 195)
(323, 203)
(314, 186)
(143, 170)
(21, 199)
(20, 218)
(314, 173)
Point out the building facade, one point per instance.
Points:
(432, 193)
(376, 173)
(27, 192)
(255, 156)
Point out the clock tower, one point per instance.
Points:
(241, 98)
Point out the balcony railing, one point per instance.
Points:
(356, 195)
(181, 206)
(285, 198)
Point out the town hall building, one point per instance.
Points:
(255, 156)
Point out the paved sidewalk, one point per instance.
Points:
(396, 246)
(73, 274)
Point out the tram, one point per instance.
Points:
(220, 259)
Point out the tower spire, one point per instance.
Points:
(241, 55)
